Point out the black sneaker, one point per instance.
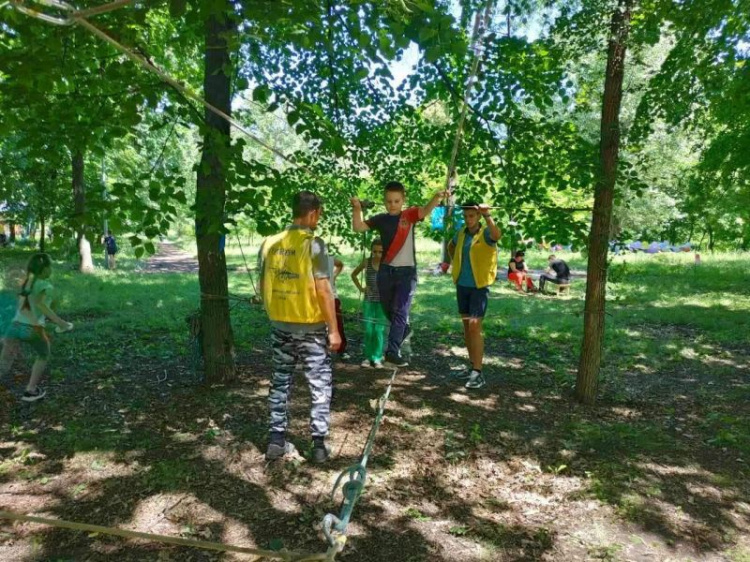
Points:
(38, 394)
(275, 451)
(395, 360)
(320, 453)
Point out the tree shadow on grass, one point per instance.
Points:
(653, 462)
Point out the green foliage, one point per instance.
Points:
(316, 80)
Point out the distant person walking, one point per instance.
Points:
(110, 245)
(34, 308)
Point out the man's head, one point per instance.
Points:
(519, 255)
(471, 214)
(376, 248)
(552, 258)
(306, 209)
(395, 197)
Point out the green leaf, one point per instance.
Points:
(427, 33)
(261, 93)
(139, 251)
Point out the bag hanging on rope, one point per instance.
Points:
(437, 218)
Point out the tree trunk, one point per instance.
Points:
(43, 238)
(596, 285)
(12, 235)
(216, 329)
(85, 263)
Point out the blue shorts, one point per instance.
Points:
(472, 302)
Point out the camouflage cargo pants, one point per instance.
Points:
(311, 351)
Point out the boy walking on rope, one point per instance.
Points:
(297, 295)
(397, 276)
(474, 256)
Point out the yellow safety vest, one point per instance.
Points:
(289, 293)
(482, 256)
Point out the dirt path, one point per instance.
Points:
(169, 258)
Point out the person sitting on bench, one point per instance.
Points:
(518, 274)
(558, 273)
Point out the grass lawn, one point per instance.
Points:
(657, 470)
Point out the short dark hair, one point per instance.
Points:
(376, 242)
(395, 186)
(303, 202)
(520, 254)
(471, 205)
(552, 257)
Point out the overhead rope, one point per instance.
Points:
(481, 23)
(247, 267)
(78, 17)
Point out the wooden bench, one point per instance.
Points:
(563, 288)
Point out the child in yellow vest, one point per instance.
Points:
(474, 255)
(298, 298)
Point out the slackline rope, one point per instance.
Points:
(259, 554)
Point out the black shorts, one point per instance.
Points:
(472, 302)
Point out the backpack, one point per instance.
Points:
(111, 244)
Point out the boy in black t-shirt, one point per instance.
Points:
(561, 273)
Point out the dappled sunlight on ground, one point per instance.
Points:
(513, 471)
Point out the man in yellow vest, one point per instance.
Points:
(295, 284)
(474, 255)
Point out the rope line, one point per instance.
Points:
(480, 25)
(78, 17)
(335, 527)
(259, 554)
(247, 267)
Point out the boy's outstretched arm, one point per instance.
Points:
(358, 224)
(494, 230)
(434, 202)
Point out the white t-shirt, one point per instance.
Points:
(332, 272)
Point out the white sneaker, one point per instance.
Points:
(463, 374)
(476, 380)
(378, 365)
(365, 364)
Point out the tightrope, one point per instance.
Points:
(259, 554)
(335, 527)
